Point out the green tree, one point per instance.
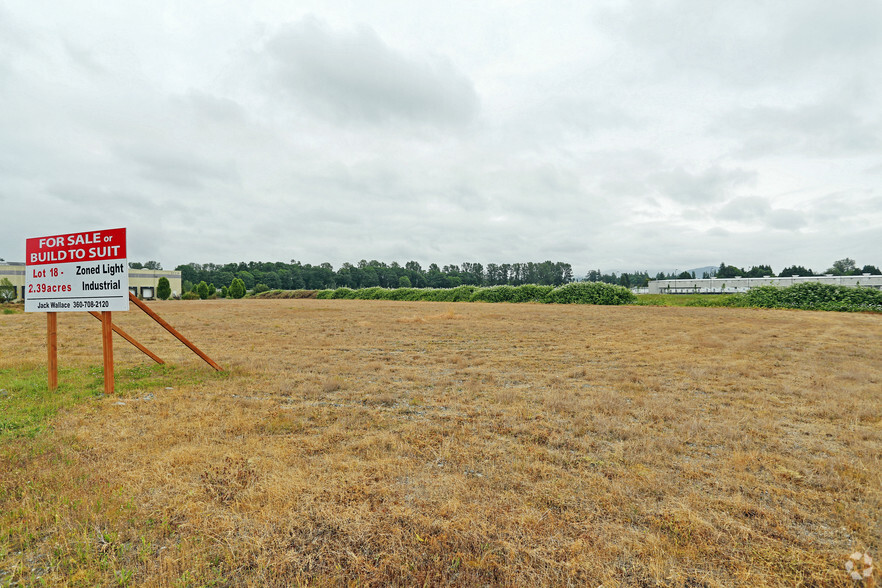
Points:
(189, 272)
(369, 277)
(404, 282)
(729, 271)
(843, 267)
(153, 265)
(202, 290)
(758, 271)
(247, 279)
(237, 288)
(163, 289)
(7, 290)
(639, 279)
(795, 270)
(223, 277)
(871, 269)
(223, 292)
(593, 276)
(272, 280)
(211, 290)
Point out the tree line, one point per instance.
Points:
(261, 276)
(840, 267)
(369, 274)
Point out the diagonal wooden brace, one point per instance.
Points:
(134, 299)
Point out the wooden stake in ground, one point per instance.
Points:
(130, 339)
(107, 342)
(52, 345)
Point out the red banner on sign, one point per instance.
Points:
(89, 246)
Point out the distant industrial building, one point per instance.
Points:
(142, 282)
(733, 285)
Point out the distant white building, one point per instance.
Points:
(733, 285)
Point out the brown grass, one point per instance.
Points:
(393, 443)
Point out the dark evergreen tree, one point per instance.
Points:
(237, 288)
(163, 289)
(795, 270)
(759, 271)
(729, 271)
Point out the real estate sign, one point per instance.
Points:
(77, 272)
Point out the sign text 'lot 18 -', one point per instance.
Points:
(77, 272)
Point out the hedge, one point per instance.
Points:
(575, 293)
(812, 296)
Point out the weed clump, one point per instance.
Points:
(224, 482)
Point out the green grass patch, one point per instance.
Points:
(27, 405)
(685, 299)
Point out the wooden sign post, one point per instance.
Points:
(77, 272)
(107, 345)
(86, 272)
(52, 344)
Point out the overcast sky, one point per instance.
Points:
(610, 135)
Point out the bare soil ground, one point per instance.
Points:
(393, 443)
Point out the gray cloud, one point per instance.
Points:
(854, 210)
(787, 220)
(83, 58)
(12, 38)
(710, 185)
(746, 209)
(751, 42)
(757, 212)
(182, 169)
(820, 129)
(355, 75)
(213, 109)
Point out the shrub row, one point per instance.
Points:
(574, 293)
(286, 294)
(812, 296)
(808, 296)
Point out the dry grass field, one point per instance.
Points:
(372, 443)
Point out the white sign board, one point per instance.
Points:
(77, 272)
